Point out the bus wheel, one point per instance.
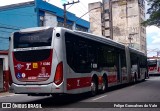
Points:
(135, 78)
(104, 84)
(94, 87)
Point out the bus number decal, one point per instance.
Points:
(35, 65)
(28, 66)
(75, 83)
(46, 63)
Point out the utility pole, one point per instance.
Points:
(64, 5)
(110, 19)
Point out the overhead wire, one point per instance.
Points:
(10, 25)
(90, 12)
(69, 7)
(4, 37)
(8, 28)
(82, 10)
(94, 16)
(18, 14)
(5, 31)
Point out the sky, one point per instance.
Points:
(79, 8)
(152, 32)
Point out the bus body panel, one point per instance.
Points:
(55, 59)
(37, 89)
(79, 72)
(154, 66)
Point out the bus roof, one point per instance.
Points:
(101, 39)
(94, 37)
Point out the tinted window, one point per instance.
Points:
(77, 53)
(33, 39)
(84, 55)
(143, 61)
(32, 55)
(152, 63)
(134, 58)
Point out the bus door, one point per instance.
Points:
(118, 64)
(138, 67)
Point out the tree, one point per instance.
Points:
(154, 12)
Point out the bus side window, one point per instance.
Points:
(133, 59)
(92, 55)
(70, 53)
(83, 64)
(77, 53)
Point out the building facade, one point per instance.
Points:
(30, 14)
(4, 71)
(121, 21)
(34, 14)
(95, 18)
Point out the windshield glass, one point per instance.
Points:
(33, 39)
(152, 63)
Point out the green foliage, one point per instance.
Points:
(154, 12)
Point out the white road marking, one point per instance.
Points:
(132, 86)
(99, 97)
(8, 95)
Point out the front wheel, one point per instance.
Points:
(94, 87)
(135, 78)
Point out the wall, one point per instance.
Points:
(50, 20)
(95, 18)
(126, 24)
(13, 18)
(1, 74)
(5, 71)
(26, 15)
(42, 5)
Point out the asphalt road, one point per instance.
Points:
(147, 92)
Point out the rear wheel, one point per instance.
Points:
(94, 87)
(104, 84)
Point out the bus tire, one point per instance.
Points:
(135, 78)
(94, 87)
(146, 75)
(104, 84)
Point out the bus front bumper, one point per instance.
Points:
(37, 89)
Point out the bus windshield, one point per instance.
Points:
(33, 39)
(152, 63)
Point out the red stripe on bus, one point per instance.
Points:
(112, 78)
(74, 83)
(158, 69)
(124, 78)
(100, 80)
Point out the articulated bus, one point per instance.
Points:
(51, 61)
(153, 66)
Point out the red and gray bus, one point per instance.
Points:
(49, 60)
(153, 66)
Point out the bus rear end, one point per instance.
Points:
(153, 66)
(35, 67)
